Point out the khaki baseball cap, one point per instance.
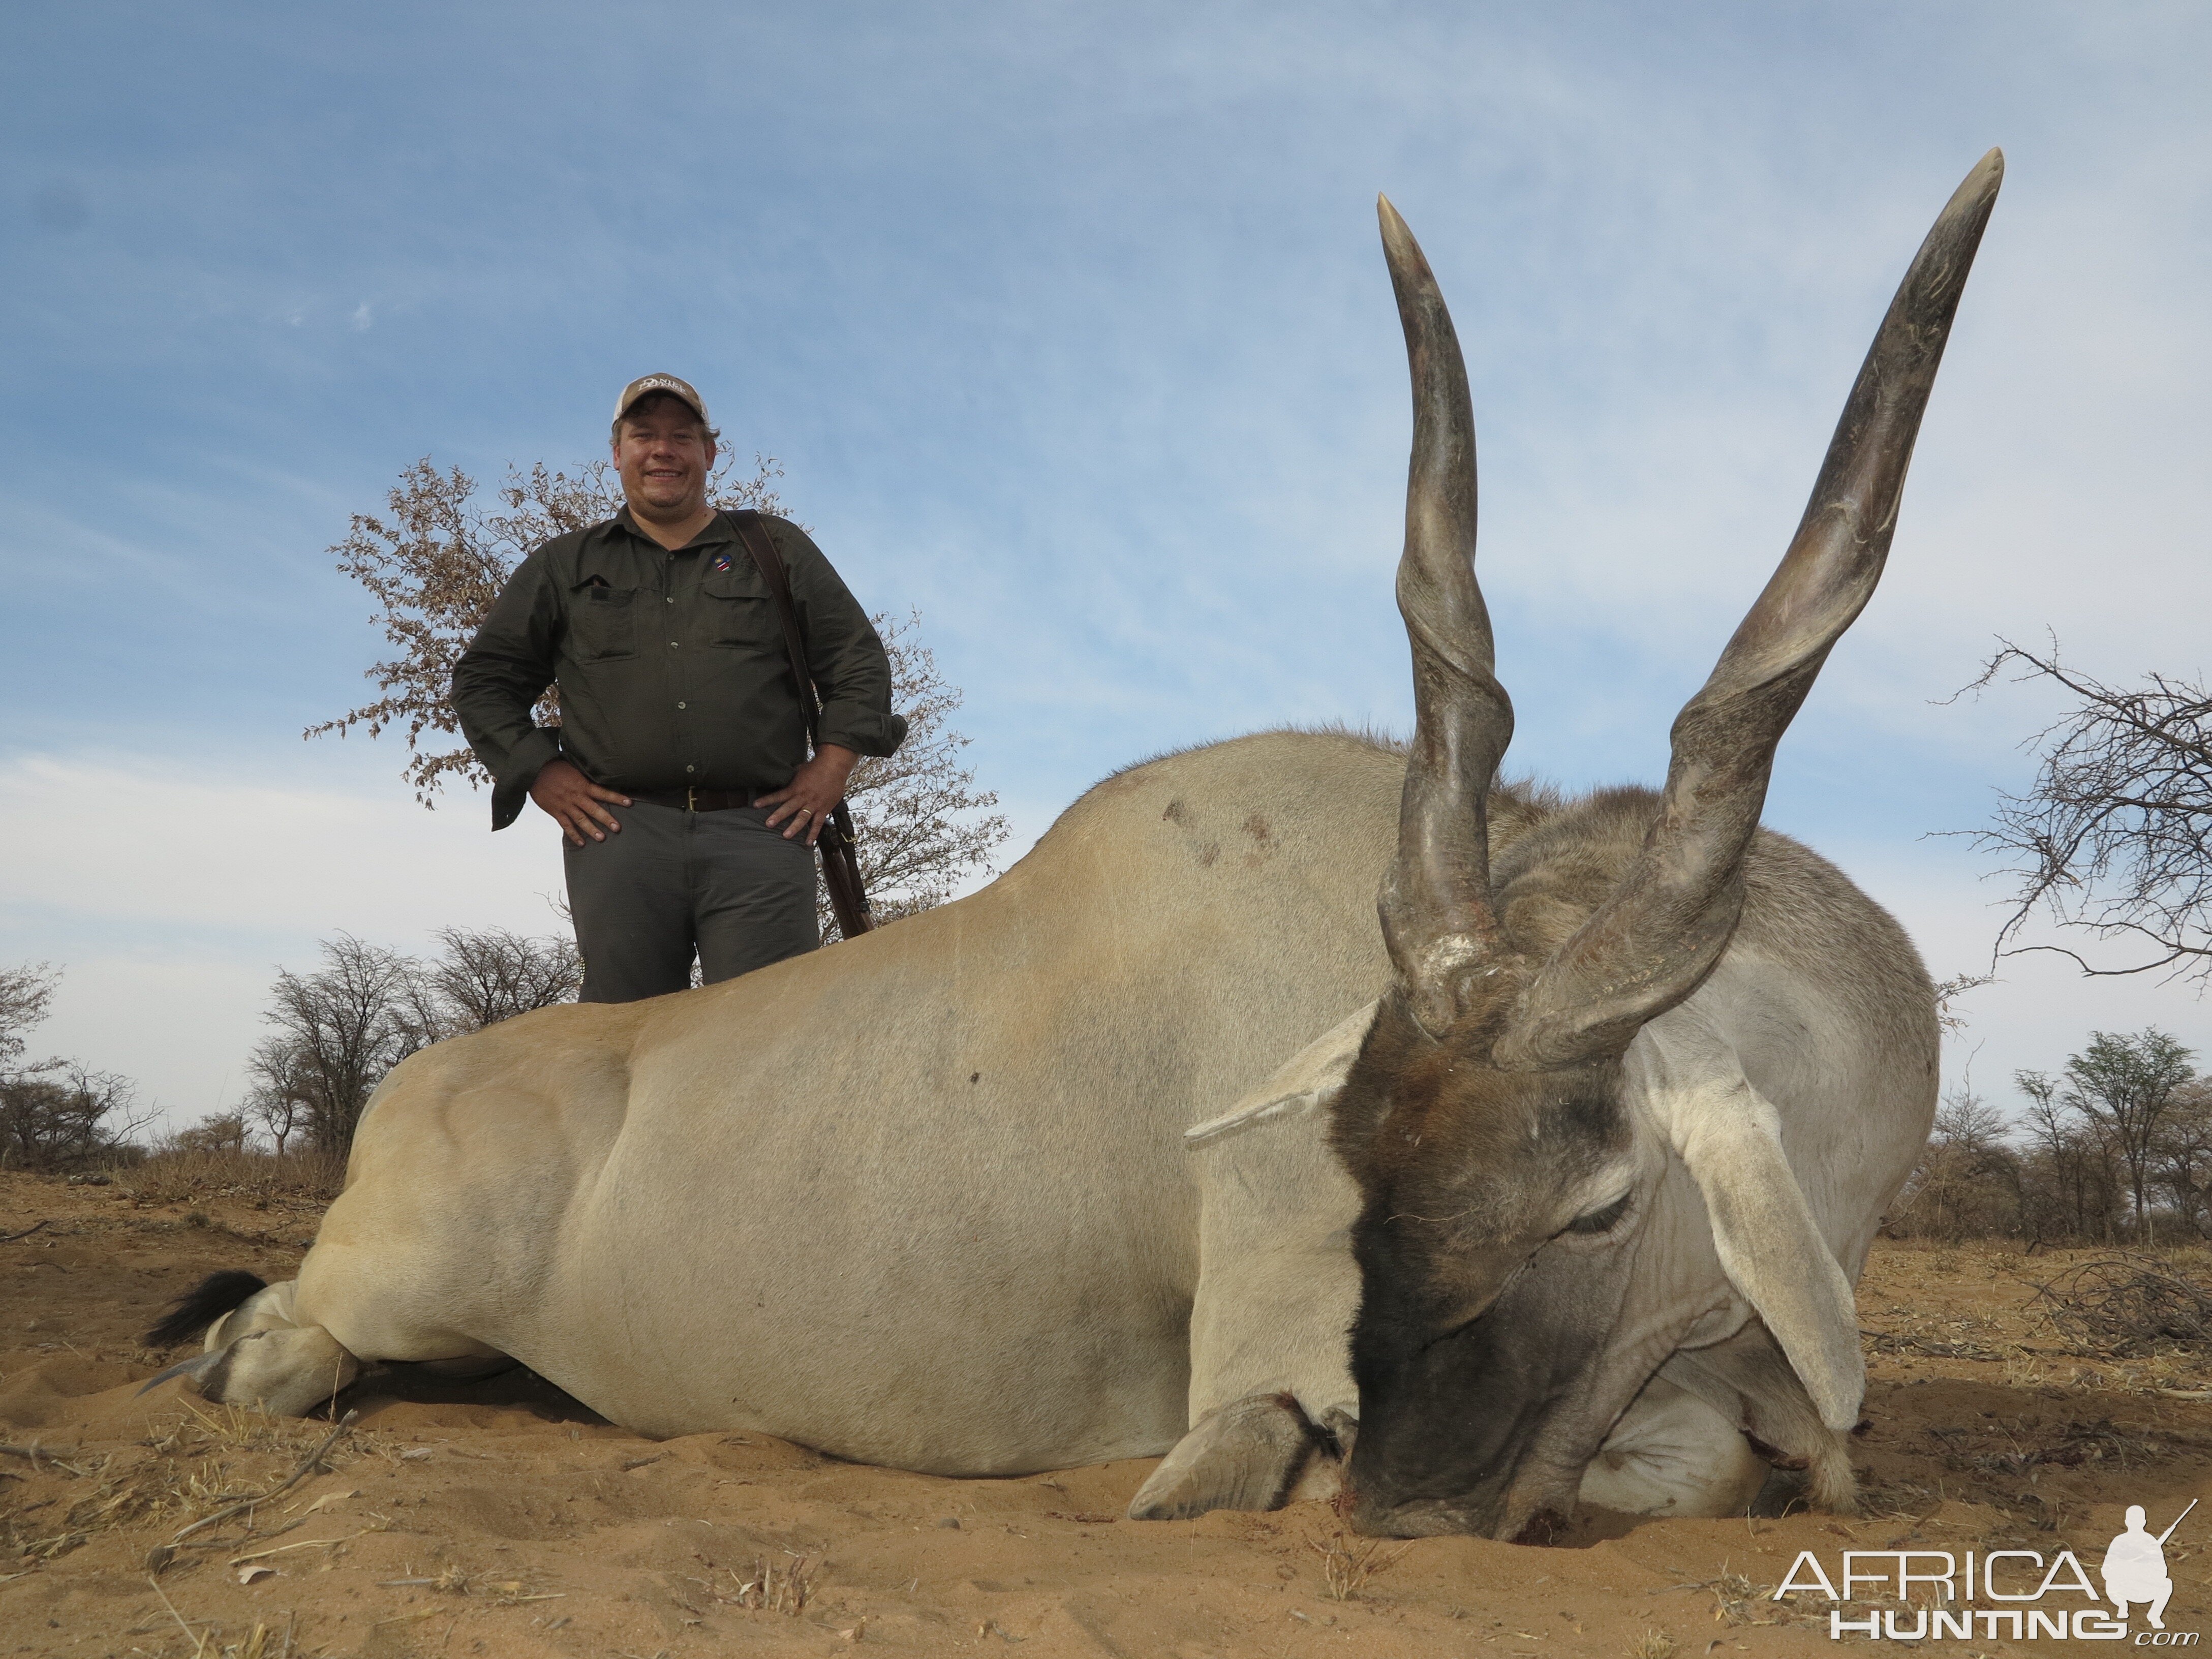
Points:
(650, 383)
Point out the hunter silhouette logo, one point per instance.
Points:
(2133, 1571)
(2134, 1567)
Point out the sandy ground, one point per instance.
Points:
(504, 1520)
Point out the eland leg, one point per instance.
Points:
(1749, 1379)
(254, 1352)
(262, 1349)
(1257, 1453)
(1273, 1405)
(1671, 1454)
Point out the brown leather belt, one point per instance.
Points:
(698, 800)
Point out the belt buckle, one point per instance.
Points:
(690, 797)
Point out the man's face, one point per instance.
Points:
(663, 455)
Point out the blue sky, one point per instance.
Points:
(1068, 326)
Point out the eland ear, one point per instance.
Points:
(1729, 1138)
(1309, 1081)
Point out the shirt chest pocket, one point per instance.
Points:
(735, 609)
(603, 623)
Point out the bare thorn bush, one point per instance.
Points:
(2127, 1307)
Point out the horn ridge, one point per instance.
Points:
(1656, 936)
(1434, 902)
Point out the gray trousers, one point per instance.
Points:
(670, 884)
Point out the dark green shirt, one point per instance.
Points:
(672, 666)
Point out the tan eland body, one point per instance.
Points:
(692, 1215)
(1556, 1184)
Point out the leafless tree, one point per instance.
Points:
(25, 995)
(914, 814)
(2114, 837)
(2182, 1152)
(1969, 1122)
(2075, 1185)
(219, 1132)
(1948, 993)
(347, 1024)
(278, 1096)
(342, 1027)
(65, 1115)
(490, 975)
(55, 1113)
(437, 558)
(1967, 1181)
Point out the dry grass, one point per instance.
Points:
(256, 1177)
(1652, 1644)
(1346, 1567)
(449, 1579)
(261, 1643)
(1737, 1601)
(776, 1586)
(190, 1466)
(199, 1429)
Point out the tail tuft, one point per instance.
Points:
(201, 1306)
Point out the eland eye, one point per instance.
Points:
(1600, 1221)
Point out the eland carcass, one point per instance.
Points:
(1583, 1147)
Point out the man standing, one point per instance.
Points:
(676, 707)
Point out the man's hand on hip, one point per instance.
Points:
(813, 790)
(573, 801)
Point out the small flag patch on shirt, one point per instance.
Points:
(721, 562)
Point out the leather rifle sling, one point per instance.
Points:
(841, 864)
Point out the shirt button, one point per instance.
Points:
(679, 705)
(672, 644)
(691, 768)
(671, 598)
